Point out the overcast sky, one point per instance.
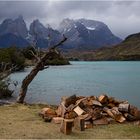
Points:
(122, 17)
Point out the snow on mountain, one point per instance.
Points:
(81, 33)
(87, 33)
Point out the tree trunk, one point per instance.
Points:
(28, 79)
(39, 66)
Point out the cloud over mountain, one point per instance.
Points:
(122, 17)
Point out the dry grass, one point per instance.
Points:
(22, 121)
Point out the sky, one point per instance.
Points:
(122, 17)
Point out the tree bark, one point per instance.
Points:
(39, 66)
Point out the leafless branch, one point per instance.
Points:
(58, 44)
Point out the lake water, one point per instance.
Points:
(117, 79)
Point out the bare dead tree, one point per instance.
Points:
(40, 65)
(6, 69)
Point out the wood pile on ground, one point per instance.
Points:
(81, 112)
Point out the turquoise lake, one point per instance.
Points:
(118, 79)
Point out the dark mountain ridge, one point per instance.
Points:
(82, 34)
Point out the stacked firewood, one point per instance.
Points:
(84, 112)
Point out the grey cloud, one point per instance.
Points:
(122, 17)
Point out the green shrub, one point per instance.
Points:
(4, 89)
(13, 56)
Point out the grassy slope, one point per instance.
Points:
(129, 49)
(22, 121)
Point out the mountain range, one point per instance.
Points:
(83, 34)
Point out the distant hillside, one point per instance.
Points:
(129, 49)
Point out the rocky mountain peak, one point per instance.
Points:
(16, 27)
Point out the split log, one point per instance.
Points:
(70, 115)
(45, 112)
(57, 120)
(92, 98)
(129, 117)
(135, 112)
(66, 126)
(78, 110)
(103, 99)
(70, 100)
(87, 117)
(114, 101)
(94, 102)
(79, 123)
(115, 114)
(111, 105)
(96, 114)
(88, 124)
(123, 107)
(102, 121)
(79, 103)
(111, 99)
(61, 110)
(108, 111)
